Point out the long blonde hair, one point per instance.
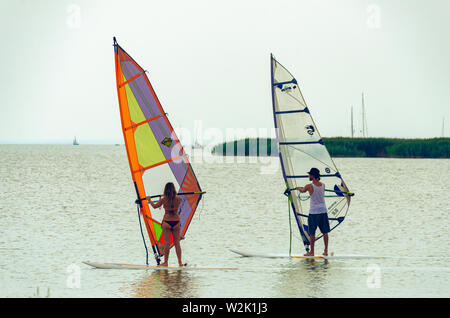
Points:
(170, 193)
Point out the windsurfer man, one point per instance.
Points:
(318, 212)
(170, 225)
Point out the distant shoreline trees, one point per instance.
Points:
(346, 147)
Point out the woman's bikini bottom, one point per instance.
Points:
(172, 223)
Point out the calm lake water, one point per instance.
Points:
(61, 205)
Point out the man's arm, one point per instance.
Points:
(307, 187)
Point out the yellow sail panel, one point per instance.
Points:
(147, 147)
(136, 114)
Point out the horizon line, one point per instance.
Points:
(113, 142)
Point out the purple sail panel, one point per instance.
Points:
(185, 211)
(159, 127)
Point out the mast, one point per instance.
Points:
(135, 167)
(364, 121)
(303, 233)
(363, 118)
(351, 126)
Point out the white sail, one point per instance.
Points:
(301, 148)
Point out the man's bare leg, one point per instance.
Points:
(325, 241)
(312, 240)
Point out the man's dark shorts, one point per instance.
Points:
(318, 220)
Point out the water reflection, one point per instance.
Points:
(305, 278)
(164, 283)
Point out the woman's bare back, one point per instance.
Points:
(171, 208)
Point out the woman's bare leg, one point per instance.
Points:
(166, 235)
(176, 242)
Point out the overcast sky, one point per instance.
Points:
(209, 61)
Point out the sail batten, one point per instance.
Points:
(301, 147)
(154, 152)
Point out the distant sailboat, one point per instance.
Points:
(75, 142)
(365, 132)
(442, 132)
(197, 145)
(351, 125)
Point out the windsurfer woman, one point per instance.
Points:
(171, 221)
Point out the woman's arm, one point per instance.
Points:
(155, 205)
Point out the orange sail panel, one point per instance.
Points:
(155, 154)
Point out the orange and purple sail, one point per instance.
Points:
(155, 154)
